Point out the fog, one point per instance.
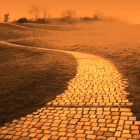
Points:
(127, 9)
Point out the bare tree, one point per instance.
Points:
(49, 17)
(6, 17)
(69, 14)
(98, 15)
(45, 12)
(35, 10)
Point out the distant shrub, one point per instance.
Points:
(43, 20)
(69, 20)
(22, 20)
(109, 19)
(31, 20)
(86, 18)
(96, 17)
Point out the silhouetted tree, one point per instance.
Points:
(22, 20)
(45, 12)
(35, 10)
(98, 15)
(6, 17)
(69, 14)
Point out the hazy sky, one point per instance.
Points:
(126, 9)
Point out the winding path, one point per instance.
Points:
(95, 106)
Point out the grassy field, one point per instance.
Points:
(30, 78)
(117, 42)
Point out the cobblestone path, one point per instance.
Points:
(95, 106)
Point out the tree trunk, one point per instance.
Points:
(36, 17)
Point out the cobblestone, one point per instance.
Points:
(94, 106)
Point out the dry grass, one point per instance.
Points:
(116, 41)
(30, 78)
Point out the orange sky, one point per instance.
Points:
(126, 9)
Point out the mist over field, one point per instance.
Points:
(127, 10)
